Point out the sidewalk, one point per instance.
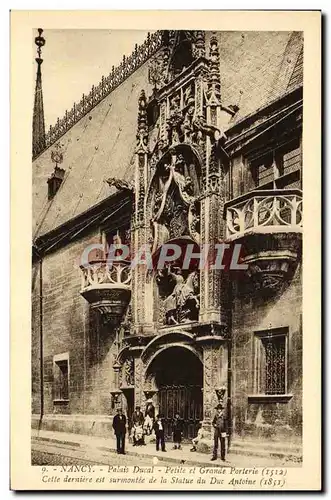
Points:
(184, 456)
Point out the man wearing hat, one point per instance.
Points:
(119, 426)
(220, 431)
(159, 427)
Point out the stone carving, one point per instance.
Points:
(139, 380)
(119, 184)
(172, 208)
(156, 69)
(207, 386)
(182, 304)
(274, 210)
(194, 221)
(129, 371)
(214, 85)
(211, 391)
(142, 129)
(199, 44)
(175, 120)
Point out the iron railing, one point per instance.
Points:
(117, 76)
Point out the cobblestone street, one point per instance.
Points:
(62, 455)
(51, 448)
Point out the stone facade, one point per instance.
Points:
(208, 163)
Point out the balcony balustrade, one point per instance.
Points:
(264, 212)
(268, 225)
(107, 287)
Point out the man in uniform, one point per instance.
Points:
(119, 426)
(220, 431)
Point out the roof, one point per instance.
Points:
(99, 146)
(256, 68)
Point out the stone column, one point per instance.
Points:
(210, 278)
(139, 225)
(212, 201)
(139, 398)
(214, 377)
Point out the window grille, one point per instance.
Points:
(270, 363)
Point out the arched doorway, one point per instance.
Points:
(178, 375)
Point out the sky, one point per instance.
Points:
(74, 60)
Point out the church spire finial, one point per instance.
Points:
(38, 126)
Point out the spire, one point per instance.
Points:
(214, 87)
(38, 126)
(199, 44)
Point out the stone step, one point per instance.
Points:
(266, 449)
(81, 442)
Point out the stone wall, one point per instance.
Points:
(254, 313)
(70, 327)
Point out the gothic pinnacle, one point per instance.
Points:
(142, 130)
(214, 90)
(40, 42)
(142, 114)
(38, 125)
(200, 43)
(214, 59)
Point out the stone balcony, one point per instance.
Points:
(107, 287)
(268, 225)
(264, 212)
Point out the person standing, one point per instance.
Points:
(177, 429)
(220, 431)
(137, 425)
(149, 417)
(159, 433)
(119, 426)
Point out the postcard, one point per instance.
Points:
(166, 227)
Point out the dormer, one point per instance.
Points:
(54, 181)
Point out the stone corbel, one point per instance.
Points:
(115, 394)
(150, 394)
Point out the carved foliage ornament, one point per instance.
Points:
(129, 371)
(179, 50)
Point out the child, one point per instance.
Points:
(177, 428)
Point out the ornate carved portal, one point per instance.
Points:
(179, 197)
